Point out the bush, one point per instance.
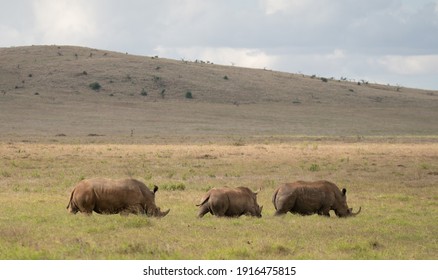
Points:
(314, 167)
(173, 187)
(189, 95)
(95, 86)
(144, 92)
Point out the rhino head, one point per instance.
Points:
(342, 209)
(256, 209)
(155, 211)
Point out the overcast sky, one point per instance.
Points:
(386, 41)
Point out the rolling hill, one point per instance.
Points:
(49, 91)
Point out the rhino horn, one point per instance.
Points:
(163, 214)
(258, 190)
(358, 211)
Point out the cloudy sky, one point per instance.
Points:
(385, 41)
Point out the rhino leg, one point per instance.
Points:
(204, 209)
(219, 208)
(85, 211)
(86, 204)
(137, 209)
(324, 211)
(72, 208)
(280, 212)
(220, 213)
(284, 204)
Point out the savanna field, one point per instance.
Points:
(394, 183)
(70, 113)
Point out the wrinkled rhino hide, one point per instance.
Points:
(308, 198)
(229, 202)
(106, 196)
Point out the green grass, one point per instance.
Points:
(398, 219)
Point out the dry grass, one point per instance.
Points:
(44, 92)
(256, 128)
(394, 183)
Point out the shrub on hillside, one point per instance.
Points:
(173, 187)
(314, 167)
(95, 86)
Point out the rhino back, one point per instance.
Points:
(113, 196)
(311, 199)
(303, 197)
(227, 201)
(241, 200)
(218, 202)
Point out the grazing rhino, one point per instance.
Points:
(307, 198)
(105, 196)
(230, 202)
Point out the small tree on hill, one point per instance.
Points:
(95, 86)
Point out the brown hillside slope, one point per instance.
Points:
(45, 91)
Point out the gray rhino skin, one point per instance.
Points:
(230, 202)
(308, 198)
(106, 196)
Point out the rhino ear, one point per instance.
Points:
(344, 191)
(155, 188)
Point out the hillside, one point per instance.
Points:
(45, 91)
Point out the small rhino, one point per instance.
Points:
(308, 198)
(230, 202)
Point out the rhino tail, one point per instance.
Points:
(71, 197)
(274, 199)
(71, 204)
(204, 200)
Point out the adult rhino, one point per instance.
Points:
(230, 202)
(308, 198)
(106, 196)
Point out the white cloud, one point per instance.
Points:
(336, 55)
(297, 7)
(8, 34)
(274, 6)
(64, 21)
(302, 14)
(335, 63)
(252, 58)
(410, 65)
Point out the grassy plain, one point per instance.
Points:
(394, 183)
(250, 127)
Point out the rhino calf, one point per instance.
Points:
(230, 202)
(308, 198)
(105, 196)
